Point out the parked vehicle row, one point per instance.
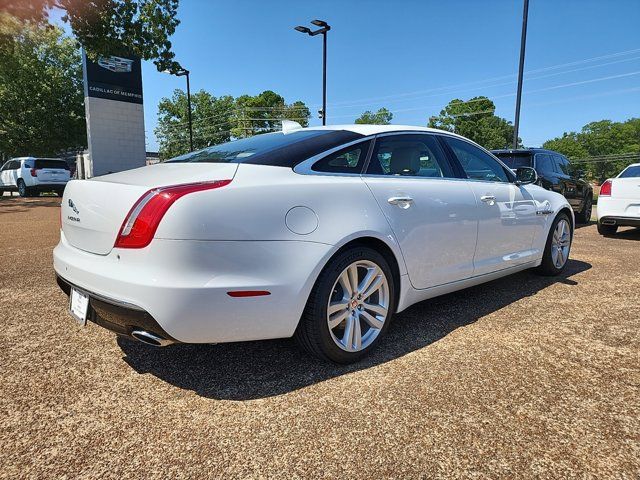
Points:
(319, 233)
(30, 176)
(619, 201)
(555, 173)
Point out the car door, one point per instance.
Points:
(431, 213)
(10, 173)
(506, 212)
(3, 174)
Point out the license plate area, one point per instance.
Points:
(79, 306)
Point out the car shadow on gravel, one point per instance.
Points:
(252, 370)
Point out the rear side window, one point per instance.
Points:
(416, 155)
(46, 163)
(347, 160)
(477, 164)
(630, 172)
(278, 149)
(515, 160)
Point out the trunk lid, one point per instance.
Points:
(626, 188)
(49, 170)
(93, 210)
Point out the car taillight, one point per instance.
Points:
(34, 172)
(605, 189)
(142, 221)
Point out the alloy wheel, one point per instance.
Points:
(561, 243)
(358, 306)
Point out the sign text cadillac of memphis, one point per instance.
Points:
(113, 78)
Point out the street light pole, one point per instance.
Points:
(523, 42)
(324, 78)
(185, 73)
(324, 28)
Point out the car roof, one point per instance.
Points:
(364, 129)
(524, 150)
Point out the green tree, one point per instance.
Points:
(597, 147)
(476, 120)
(211, 120)
(219, 119)
(381, 117)
(108, 27)
(41, 96)
(264, 113)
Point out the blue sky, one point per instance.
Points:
(414, 56)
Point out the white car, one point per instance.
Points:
(619, 201)
(318, 233)
(30, 176)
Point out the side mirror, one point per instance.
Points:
(526, 175)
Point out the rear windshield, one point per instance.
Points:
(280, 149)
(515, 160)
(631, 172)
(46, 163)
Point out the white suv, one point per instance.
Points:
(30, 176)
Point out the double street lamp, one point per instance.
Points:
(324, 28)
(185, 73)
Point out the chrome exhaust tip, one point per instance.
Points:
(608, 221)
(150, 338)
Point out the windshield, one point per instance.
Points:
(47, 163)
(515, 160)
(238, 151)
(629, 172)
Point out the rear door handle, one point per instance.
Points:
(402, 202)
(490, 199)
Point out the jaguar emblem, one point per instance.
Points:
(72, 206)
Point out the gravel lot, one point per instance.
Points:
(522, 377)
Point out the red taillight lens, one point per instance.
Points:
(141, 223)
(34, 172)
(605, 189)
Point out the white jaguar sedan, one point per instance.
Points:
(318, 233)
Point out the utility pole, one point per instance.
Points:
(523, 42)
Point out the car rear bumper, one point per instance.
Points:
(119, 317)
(625, 209)
(183, 286)
(620, 221)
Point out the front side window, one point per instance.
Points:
(630, 172)
(544, 164)
(477, 164)
(348, 160)
(562, 166)
(416, 155)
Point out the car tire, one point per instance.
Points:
(319, 332)
(558, 246)
(607, 230)
(584, 215)
(23, 190)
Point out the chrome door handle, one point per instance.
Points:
(490, 199)
(402, 202)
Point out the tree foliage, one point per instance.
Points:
(476, 120)
(220, 119)
(41, 96)
(109, 27)
(381, 117)
(596, 146)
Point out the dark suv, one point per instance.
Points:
(554, 173)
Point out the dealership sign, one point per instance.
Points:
(113, 78)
